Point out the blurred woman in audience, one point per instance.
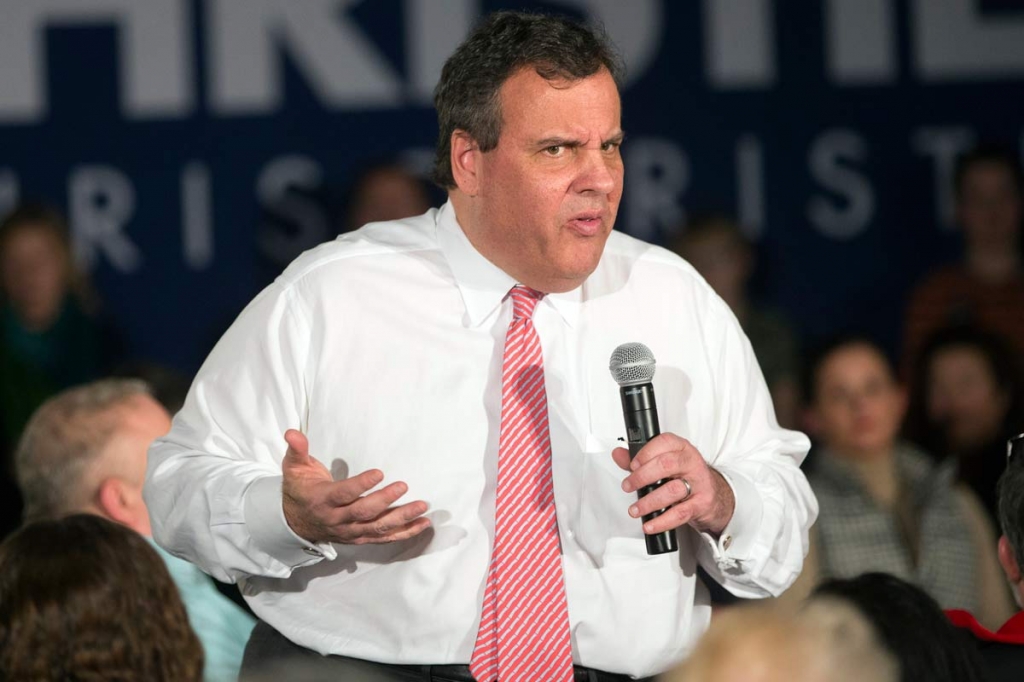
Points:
(884, 505)
(986, 289)
(968, 399)
(83, 598)
(910, 625)
(51, 335)
(718, 250)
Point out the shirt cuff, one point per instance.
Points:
(735, 543)
(264, 519)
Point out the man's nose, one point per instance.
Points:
(599, 172)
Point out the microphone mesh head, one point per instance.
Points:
(632, 363)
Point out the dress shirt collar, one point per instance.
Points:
(483, 285)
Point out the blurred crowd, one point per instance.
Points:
(914, 571)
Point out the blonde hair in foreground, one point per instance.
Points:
(825, 641)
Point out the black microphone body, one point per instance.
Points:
(641, 415)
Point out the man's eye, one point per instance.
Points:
(554, 150)
(609, 146)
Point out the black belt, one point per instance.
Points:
(460, 673)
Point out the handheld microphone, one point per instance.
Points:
(632, 366)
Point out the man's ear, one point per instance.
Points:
(113, 501)
(465, 162)
(1008, 560)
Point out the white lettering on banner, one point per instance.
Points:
(275, 192)
(750, 186)
(197, 215)
(659, 173)
(861, 41)
(952, 42)
(944, 145)
(739, 43)
(101, 201)
(155, 55)
(10, 190)
(341, 66)
(829, 161)
(434, 29)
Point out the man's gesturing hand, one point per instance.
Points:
(320, 509)
(707, 505)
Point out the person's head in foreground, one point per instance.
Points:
(84, 450)
(911, 625)
(827, 641)
(1010, 493)
(82, 598)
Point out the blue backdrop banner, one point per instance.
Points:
(197, 146)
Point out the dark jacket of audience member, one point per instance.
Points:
(1003, 650)
(912, 627)
(83, 598)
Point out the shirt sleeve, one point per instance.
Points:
(761, 551)
(213, 484)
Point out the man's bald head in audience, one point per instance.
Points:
(84, 450)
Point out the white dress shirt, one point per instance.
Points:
(385, 348)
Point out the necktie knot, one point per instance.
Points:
(524, 300)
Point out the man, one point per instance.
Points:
(1003, 651)
(84, 450)
(459, 360)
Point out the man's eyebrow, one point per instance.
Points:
(572, 142)
(557, 142)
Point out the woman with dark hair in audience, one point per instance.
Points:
(968, 399)
(911, 625)
(883, 504)
(83, 598)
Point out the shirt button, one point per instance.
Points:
(726, 542)
(312, 551)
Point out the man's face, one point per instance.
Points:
(990, 206)
(548, 194)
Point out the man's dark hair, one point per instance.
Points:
(988, 153)
(466, 96)
(911, 625)
(83, 598)
(1010, 500)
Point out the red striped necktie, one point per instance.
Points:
(524, 626)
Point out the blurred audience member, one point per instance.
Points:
(82, 598)
(1003, 651)
(384, 191)
(884, 505)
(51, 335)
(912, 627)
(168, 386)
(968, 399)
(723, 256)
(84, 450)
(987, 288)
(825, 642)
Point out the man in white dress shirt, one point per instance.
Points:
(366, 533)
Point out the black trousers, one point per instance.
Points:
(272, 657)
